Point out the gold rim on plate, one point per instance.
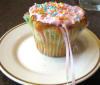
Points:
(77, 80)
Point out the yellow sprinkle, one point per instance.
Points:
(65, 18)
(61, 3)
(82, 10)
(54, 4)
(56, 16)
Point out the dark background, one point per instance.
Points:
(11, 14)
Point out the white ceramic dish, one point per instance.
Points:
(21, 61)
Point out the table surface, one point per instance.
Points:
(11, 13)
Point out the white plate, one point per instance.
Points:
(22, 62)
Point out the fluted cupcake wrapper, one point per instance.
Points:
(51, 48)
(50, 42)
(53, 45)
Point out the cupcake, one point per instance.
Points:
(48, 19)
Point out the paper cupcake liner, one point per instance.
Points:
(50, 42)
(52, 46)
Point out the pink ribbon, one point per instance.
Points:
(67, 52)
(69, 55)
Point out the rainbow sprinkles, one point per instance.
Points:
(56, 13)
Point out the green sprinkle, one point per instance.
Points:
(53, 34)
(52, 7)
(76, 14)
(36, 6)
(40, 12)
(61, 8)
(45, 8)
(30, 22)
(39, 6)
(27, 19)
(55, 8)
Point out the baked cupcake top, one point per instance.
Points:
(56, 13)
